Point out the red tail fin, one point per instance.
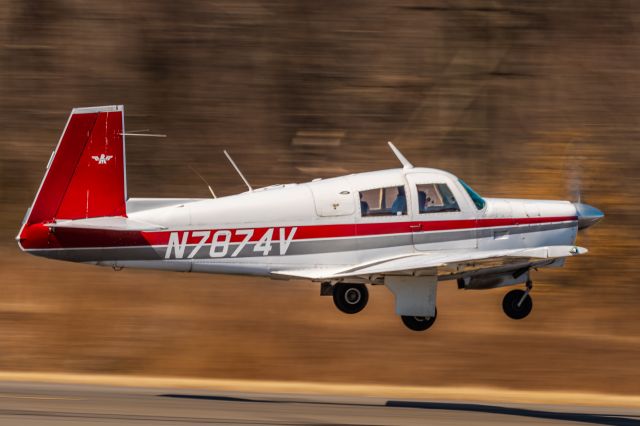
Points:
(86, 174)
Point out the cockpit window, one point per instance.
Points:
(436, 198)
(475, 197)
(391, 201)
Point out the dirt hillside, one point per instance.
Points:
(521, 99)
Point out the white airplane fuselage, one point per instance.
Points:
(297, 226)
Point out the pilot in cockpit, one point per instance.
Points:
(422, 201)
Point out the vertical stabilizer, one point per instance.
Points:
(86, 174)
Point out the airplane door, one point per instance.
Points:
(443, 217)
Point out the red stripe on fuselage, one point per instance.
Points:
(38, 236)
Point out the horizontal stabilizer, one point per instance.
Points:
(112, 223)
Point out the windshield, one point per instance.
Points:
(475, 197)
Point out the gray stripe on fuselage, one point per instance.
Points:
(467, 234)
(297, 247)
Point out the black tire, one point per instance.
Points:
(510, 304)
(350, 298)
(419, 323)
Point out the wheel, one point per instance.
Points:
(510, 304)
(419, 323)
(350, 298)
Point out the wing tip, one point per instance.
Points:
(577, 250)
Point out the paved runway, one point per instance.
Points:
(47, 404)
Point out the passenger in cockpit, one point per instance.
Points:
(399, 206)
(364, 206)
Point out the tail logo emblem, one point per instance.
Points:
(102, 159)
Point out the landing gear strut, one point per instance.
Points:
(350, 298)
(517, 304)
(419, 323)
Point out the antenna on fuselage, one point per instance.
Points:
(246, 182)
(405, 163)
(204, 180)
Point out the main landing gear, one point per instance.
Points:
(419, 323)
(350, 298)
(517, 304)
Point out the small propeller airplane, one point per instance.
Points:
(407, 228)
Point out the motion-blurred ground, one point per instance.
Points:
(521, 99)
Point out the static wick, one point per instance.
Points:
(148, 135)
(246, 182)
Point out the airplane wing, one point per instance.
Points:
(457, 261)
(112, 223)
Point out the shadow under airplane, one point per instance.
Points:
(592, 418)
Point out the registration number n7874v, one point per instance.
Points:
(228, 243)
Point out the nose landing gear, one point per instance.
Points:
(517, 304)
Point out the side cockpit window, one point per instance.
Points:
(390, 201)
(436, 198)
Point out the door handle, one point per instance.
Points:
(416, 227)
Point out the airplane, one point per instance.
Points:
(408, 228)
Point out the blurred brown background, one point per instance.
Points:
(521, 99)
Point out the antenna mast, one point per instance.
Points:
(204, 180)
(405, 163)
(238, 170)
